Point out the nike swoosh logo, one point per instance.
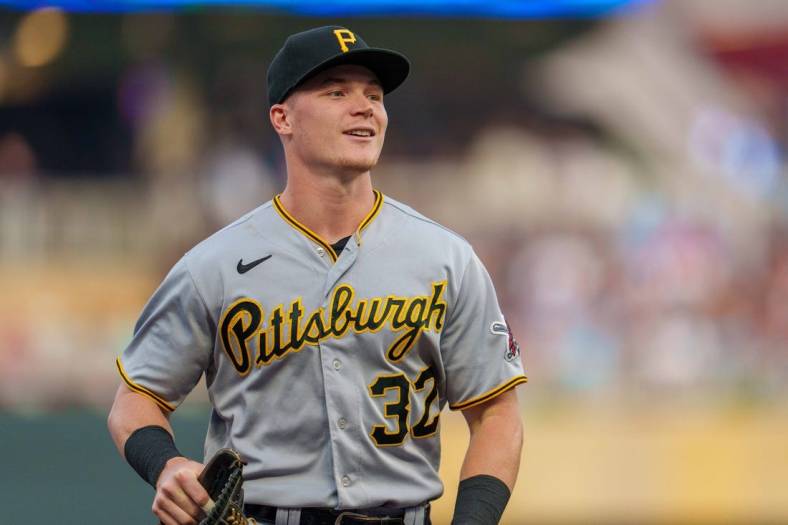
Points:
(243, 268)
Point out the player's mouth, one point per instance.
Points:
(363, 132)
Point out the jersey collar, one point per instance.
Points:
(312, 236)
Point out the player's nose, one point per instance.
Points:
(362, 105)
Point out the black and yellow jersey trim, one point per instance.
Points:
(303, 229)
(370, 216)
(142, 390)
(495, 392)
(315, 237)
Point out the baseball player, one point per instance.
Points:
(332, 325)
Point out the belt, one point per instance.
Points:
(325, 516)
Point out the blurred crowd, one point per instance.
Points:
(626, 187)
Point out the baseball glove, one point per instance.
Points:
(222, 478)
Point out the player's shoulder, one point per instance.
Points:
(407, 215)
(405, 218)
(248, 229)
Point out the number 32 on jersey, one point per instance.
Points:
(398, 386)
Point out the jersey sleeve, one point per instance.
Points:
(481, 358)
(172, 342)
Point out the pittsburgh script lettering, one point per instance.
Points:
(245, 330)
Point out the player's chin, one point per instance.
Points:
(359, 164)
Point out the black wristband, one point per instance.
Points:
(480, 501)
(148, 449)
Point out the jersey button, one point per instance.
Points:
(345, 481)
(320, 251)
(337, 364)
(342, 423)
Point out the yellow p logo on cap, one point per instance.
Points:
(344, 37)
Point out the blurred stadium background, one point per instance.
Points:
(619, 166)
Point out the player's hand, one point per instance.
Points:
(179, 496)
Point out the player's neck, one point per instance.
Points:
(331, 207)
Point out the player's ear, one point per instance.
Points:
(280, 119)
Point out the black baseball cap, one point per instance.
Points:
(310, 52)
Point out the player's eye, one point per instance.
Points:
(336, 93)
(375, 96)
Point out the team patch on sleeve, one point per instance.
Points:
(500, 328)
(512, 347)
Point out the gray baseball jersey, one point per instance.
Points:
(326, 371)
